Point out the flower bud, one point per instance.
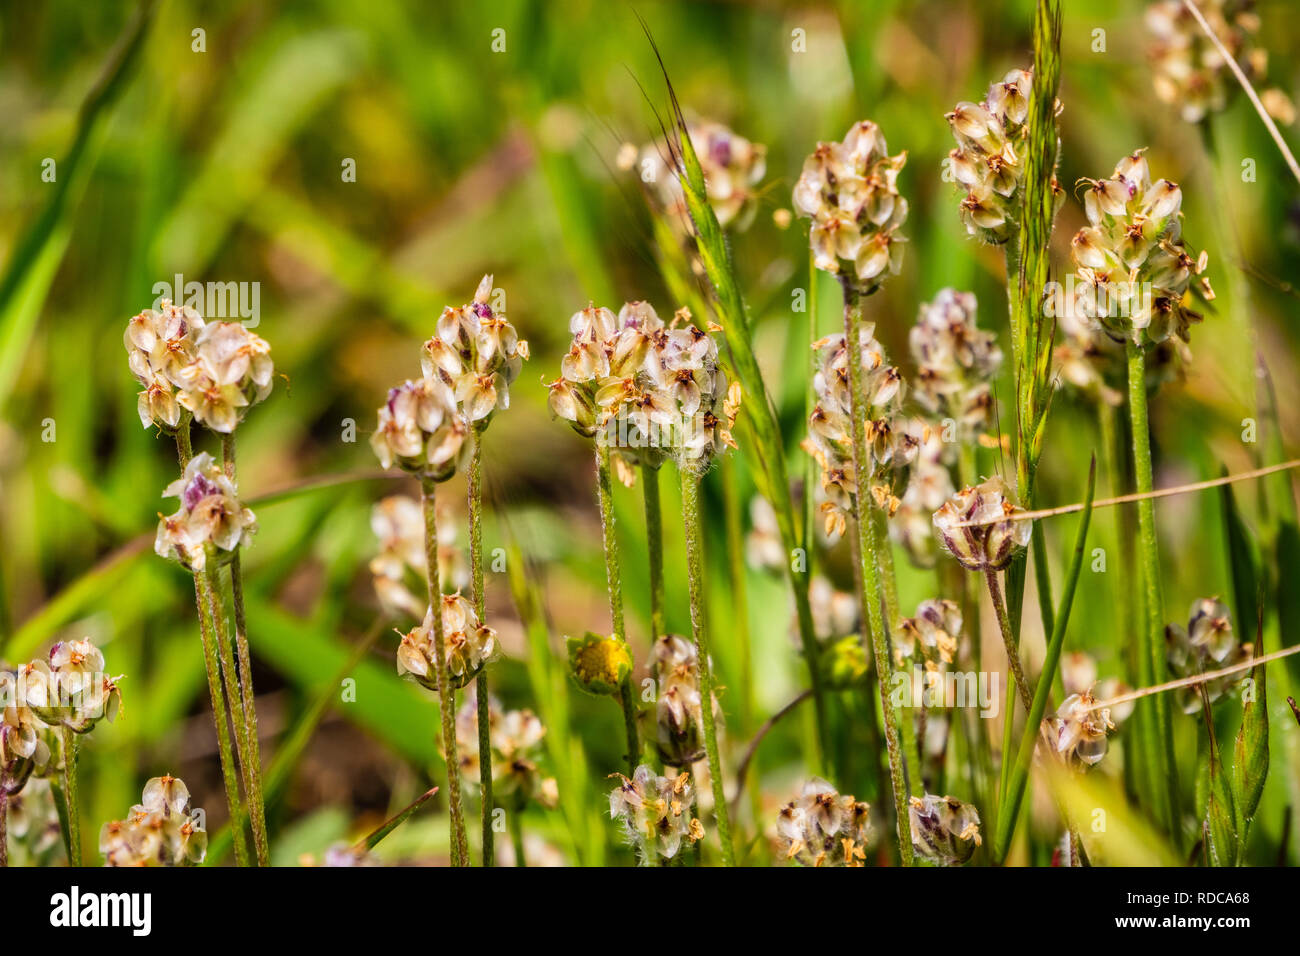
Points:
(599, 664)
(975, 526)
(211, 520)
(822, 828)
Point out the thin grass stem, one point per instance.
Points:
(73, 799)
(614, 585)
(481, 692)
(699, 630)
(870, 593)
(446, 695)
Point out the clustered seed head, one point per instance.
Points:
(652, 389)
(975, 526)
(1207, 643)
(890, 442)
(822, 828)
(211, 522)
(850, 191)
(1133, 268)
(70, 689)
(989, 161)
(679, 713)
(401, 566)
(23, 745)
(1188, 70)
(34, 823)
(421, 430)
(468, 645)
(655, 813)
(161, 830)
(956, 362)
(944, 830)
(929, 485)
(477, 354)
(732, 166)
(516, 737)
(1079, 732)
(599, 663)
(216, 370)
(1079, 676)
(933, 633)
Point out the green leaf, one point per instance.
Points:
(1221, 815)
(1250, 758)
(388, 826)
(1242, 562)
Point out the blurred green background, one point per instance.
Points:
(226, 165)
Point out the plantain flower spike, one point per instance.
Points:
(70, 689)
(468, 645)
(211, 522)
(956, 362)
(1206, 644)
(975, 526)
(944, 830)
(516, 738)
(849, 190)
(1132, 268)
(161, 830)
(477, 354)
(655, 813)
(1188, 70)
(823, 828)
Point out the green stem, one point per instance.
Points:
(869, 591)
(212, 668)
(1151, 659)
(741, 636)
(247, 695)
(234, 697)
(481, 692)
(614, 585)
(517, 837)
(1008, 640)
(70, 791)
(654, 533)
(204, 600)
(695, 578)
(4, 828)
(446, 695)
(627, 701)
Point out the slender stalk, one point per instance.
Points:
(234, 698)
(4, 828)
(70, 792)
(247, 697)
(481, 681)
(446, 695)
(1008, 640)
(695, 578)
(204, 600)
(614, 585)
(1151, 657)
(869, 592)
(212, 667)
(654, 533)
(517, 837)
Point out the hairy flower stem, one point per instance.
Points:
(699, 631)
(1151, 661)
(870, 594)
(4, 828)
(212, 667)
(206, 599)
(252, 762)
(446, 695)
(654, 533)
(481, 681)
(1009, 641)
(70, 793)
(614, 584)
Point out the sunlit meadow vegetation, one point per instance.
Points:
(488, 455)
